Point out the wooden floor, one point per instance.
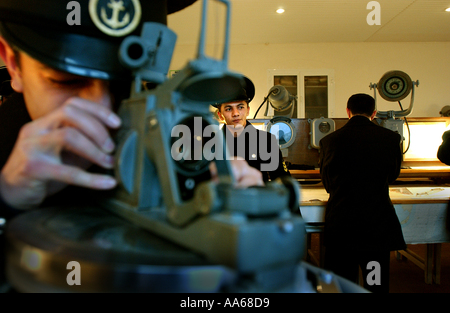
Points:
(407, 277)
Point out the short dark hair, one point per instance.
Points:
(361, 104)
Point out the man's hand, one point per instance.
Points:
(55, 150)
(245, 175)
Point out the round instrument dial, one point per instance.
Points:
(324, 127)
(395, 86)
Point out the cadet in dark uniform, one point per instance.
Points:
(259, 148)
(357, 164)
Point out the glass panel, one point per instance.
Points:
(425, 139)
(290, 83)
(316, 96)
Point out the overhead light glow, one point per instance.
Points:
(280, 11)
(447, 10)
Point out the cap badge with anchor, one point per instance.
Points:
(115, 17)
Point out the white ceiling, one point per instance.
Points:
(307, 21)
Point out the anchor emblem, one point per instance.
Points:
(115, 25)
(113, 22)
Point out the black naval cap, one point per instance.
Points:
(246, 93)
(81, 37)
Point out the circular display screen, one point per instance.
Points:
(282, 132)
(395, 86)
(324, 127)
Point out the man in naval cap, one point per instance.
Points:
(62, 57)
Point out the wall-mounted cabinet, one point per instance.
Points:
(314, 90)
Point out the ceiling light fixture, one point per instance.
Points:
(447, 10)
(280, 11)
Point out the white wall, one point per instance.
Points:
(356, 65)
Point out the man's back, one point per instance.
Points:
(357, 164)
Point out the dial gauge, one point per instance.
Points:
(395, 86)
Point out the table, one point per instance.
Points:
(422, 212)
(414, 172)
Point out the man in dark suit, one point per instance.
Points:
(357, 164)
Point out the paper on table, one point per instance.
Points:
(311, 195)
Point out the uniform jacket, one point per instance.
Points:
(357, 164)
(258, 153)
